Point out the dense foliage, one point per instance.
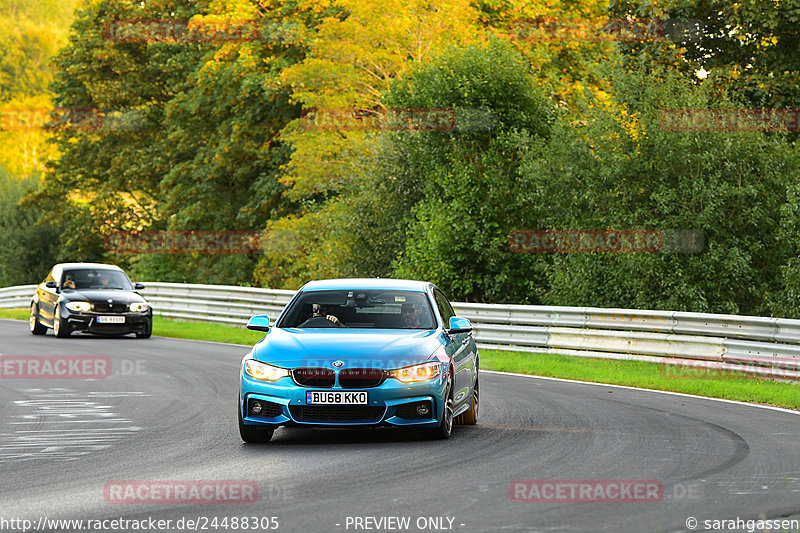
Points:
(550, 129)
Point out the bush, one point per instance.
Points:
(622, 170)
(29, 249)
(447, 198)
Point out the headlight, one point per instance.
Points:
(263, 371)
(138, 307)
(79, 306)
(422, 372)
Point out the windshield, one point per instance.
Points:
(373, 309)
(95, 278)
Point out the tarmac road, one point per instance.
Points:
(167, 412)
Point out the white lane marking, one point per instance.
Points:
(563, 380)
(761, 484)
(114, 420)
(115, 394)
(50, 410)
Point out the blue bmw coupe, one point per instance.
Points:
(361, 352)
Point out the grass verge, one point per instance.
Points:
(181, 329)
(744, 388)
(711, 383)
(19, 314)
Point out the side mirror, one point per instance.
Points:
(51, 285)
(459, 325)
(258, 323)
(138, 286)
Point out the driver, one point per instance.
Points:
(319, 310)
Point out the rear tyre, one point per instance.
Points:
(470, 416)
(254, 434)
(60, 326)
(36, 327)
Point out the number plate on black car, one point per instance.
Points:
(338, 398)
(111, 320)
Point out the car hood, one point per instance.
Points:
(384, 349)
(101, 295)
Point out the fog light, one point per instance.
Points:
(423, 409)
(256, 408)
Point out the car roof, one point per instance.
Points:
(367, 283)
(87, 265)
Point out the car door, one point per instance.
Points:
(460, 351)
(47, 297)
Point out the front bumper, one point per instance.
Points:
(87, 322)
(392, 403)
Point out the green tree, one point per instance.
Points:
(31, 32)
(453, 195)
(750, 48)
(622, 170)
(565, 42)
(107, 178)
(189, 140)
(29, 248)
(355, 54)
(222, 146)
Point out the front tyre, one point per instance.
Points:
(36, 327)
(254, 434)
(146, 332)
(445, 428)
(61, 327)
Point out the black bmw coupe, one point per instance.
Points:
(91, 298)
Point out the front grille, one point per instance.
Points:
(359, 378)
(336, 412)
(313, 377)
(105, 307)
(268, 409)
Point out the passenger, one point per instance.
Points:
(105, 280)
(412, 315)
(69, 283)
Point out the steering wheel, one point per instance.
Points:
(318, 322)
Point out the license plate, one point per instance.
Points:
(340, 398)
(111, 320)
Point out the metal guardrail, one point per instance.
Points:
(215, 303)
(19, 296)
(759, 345)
